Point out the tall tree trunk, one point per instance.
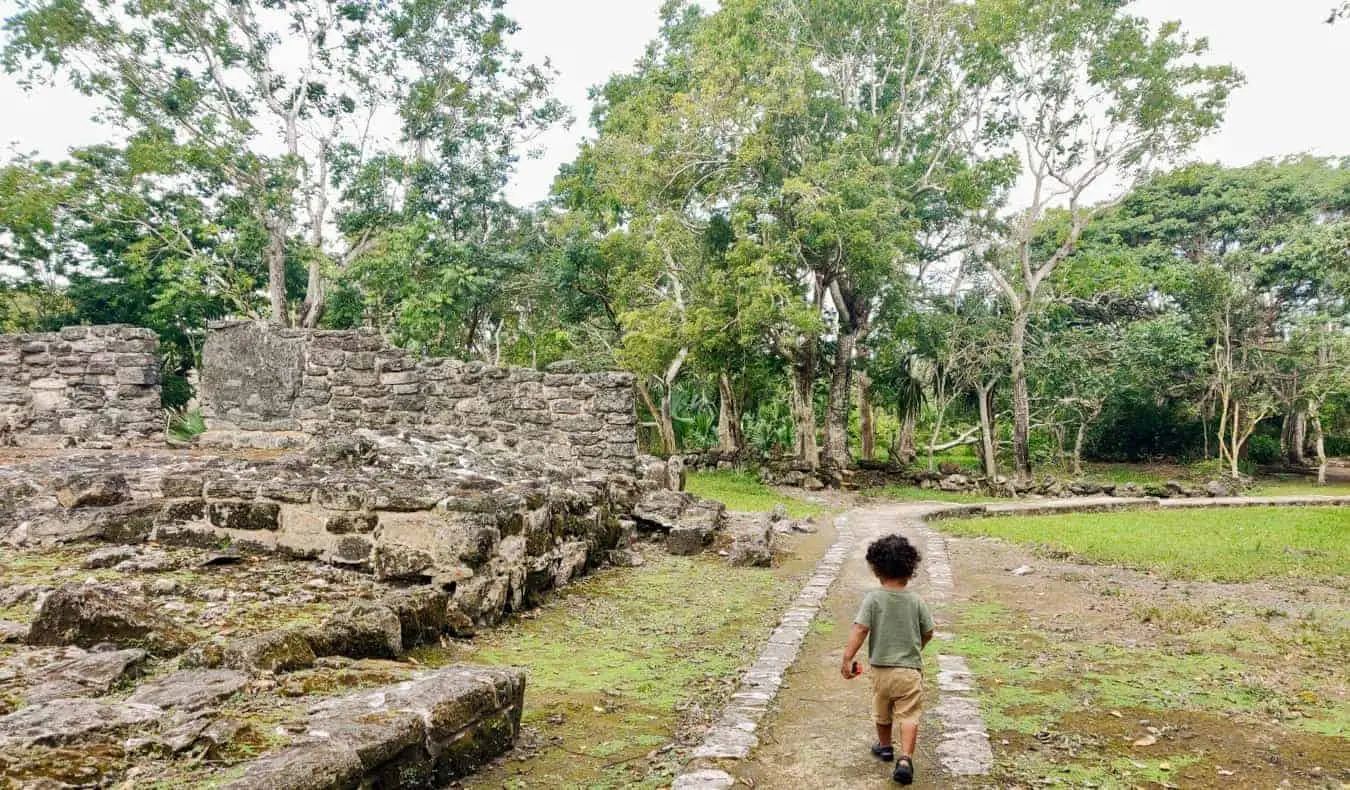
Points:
(276, 272)
(729, 438)
(1078, 448)
(1298, 437)
(1021, 398)
(665, 426)
(804, 409)
(937, 431)
(312, 309)
(867, 429)
(989, 456)
(1319, 447)
(837, 410)
(902, 447)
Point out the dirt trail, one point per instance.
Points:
(819, 731)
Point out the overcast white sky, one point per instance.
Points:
(1295, 99)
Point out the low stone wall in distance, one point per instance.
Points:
(91, 386)
(267, 385)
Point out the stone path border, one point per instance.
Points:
(733, 736)
(964, 749)
(964, 746)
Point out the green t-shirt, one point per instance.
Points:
(896, 621)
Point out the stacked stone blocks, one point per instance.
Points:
(95, 386)
(262, 380)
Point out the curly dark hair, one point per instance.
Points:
(893, 557)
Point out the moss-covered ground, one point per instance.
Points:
(621, 662)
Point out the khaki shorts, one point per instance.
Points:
(896, 694)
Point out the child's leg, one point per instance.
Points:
(909, 737)
(884, 734)
(908, 697)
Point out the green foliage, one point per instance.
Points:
(184, 425)
(1263, 449)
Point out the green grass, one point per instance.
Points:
(742, 491)
(614, 659)
(1205, 545)
(1297, 486)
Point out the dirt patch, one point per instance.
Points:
(1222, 684)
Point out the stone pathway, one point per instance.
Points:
(820, 726)
(816, 727)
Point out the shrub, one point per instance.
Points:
(184, 425)
(1263, 450)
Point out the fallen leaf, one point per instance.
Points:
(1147, 740)
(1223, 772)
(1117, 714)
(1164, 766)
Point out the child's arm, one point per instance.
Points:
(927, 637)
(856, 638)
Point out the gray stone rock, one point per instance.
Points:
(281, 650)
(93, 490)
(191, 689)
(660, 510)
(421, 614)
(688, 540)
(751, 540)
(393, 561)
(108, 557)
(626, 558)
(148, 562)
(61, 722)
(12, 632)
(706, 779)
(425, 732)
(87, 615)
(1221, 488)
(367, 630)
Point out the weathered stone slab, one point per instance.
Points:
(282, 650)
(425, 732)
(87, 615)
(191, 689)
(64, 721)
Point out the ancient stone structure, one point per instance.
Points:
(265, 385)
(91, 386)
(352, 503)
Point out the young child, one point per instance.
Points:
(897, 625)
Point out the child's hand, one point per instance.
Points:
(847, 670)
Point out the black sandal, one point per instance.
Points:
(904, 770)
(884, 753)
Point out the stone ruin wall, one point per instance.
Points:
(266, 385)
(497, 483)
(91, 386)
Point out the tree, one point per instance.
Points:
(1093, 95)
(322, 118)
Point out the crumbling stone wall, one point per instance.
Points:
(260, 381)
(85, 385)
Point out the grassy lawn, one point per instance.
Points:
(616, 660)
(743, 491)
(1206, 545)
(1297, 486)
